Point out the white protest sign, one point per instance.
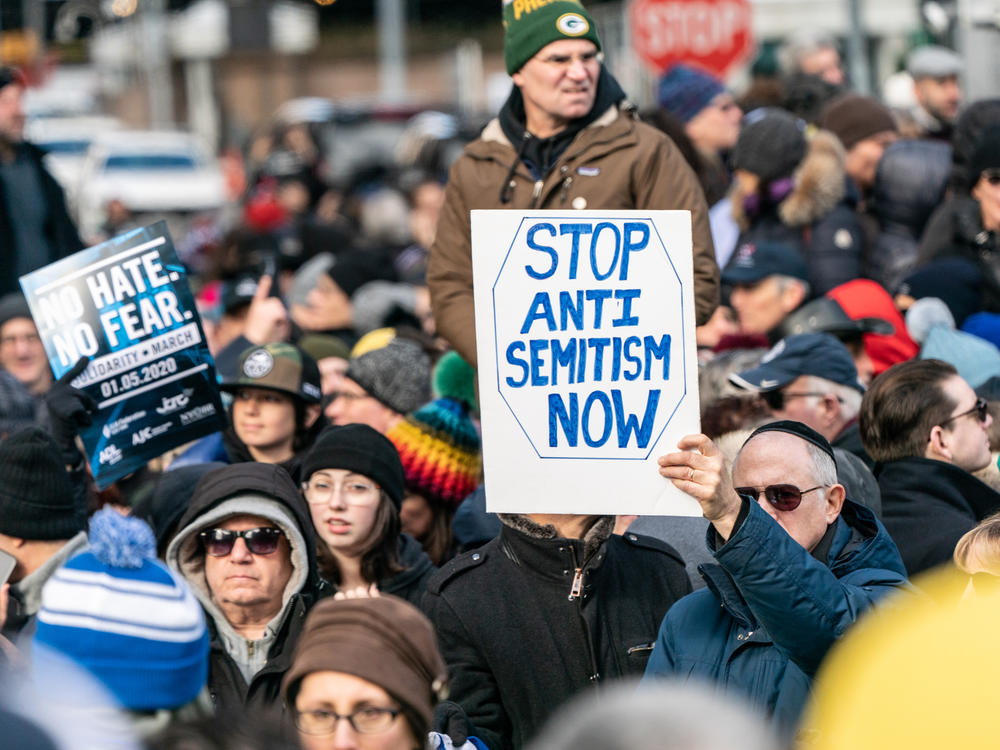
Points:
(587, 358)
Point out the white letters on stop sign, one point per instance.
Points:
(700, 28)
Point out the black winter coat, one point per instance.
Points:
(525, 623)
(928, 505)
(961, 220)
(59, 228)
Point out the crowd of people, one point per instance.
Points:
(324, 572)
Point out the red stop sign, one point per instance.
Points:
(713, 34)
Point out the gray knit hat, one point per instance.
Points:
(398, 375)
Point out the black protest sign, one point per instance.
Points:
(126, 305)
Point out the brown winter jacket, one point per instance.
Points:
(634, 166)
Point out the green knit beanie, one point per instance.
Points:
(531, 24)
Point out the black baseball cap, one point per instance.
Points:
(754, 261)
(818, 354)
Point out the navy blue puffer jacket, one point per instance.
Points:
(781, 608)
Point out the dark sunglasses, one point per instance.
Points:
(219, 542)
(981, 410)
(992, 176)
(781, 496)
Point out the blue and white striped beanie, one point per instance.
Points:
(127, 618)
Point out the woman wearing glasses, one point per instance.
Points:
(353, 482)
(366, 674)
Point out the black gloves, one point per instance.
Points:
(450, 719)
(69, 409)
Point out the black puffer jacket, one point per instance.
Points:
(262, 490)
(909, 184)
(530, 619)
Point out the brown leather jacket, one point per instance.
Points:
(626, 165)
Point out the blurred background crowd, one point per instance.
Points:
(848, 154)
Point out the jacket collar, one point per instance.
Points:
(538, 550)
(944, 481)
(820, 183)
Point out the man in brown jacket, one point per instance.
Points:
(565, 139)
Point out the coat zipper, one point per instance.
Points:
(575, 591)
(539, 184)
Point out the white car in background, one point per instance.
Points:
(66, 140)
(156, 174)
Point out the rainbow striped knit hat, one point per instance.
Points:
(438, 443)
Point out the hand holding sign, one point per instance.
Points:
(267, 318)
(700, 470)
(69, 408)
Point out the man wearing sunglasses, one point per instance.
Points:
(246, 547)
(796, 563)
(925, 426)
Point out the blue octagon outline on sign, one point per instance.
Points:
(655, 242)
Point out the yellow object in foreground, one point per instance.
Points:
(919, 672)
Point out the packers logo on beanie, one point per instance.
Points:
(531, 24)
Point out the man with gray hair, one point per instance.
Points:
(796, 563)
(813, 53)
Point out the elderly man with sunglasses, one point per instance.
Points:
(246, 546)
(928, 430)
(796, 563)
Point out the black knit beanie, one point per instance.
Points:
(361, 449)
(36, 495)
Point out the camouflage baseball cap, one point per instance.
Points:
(278, 367)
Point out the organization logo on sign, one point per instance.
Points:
(170, 404)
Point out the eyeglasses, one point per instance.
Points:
(219, 542)
(981, 410)
(367, 720)
(776, 399)
(319, 490)
(991, 175)
(566, 61)
(782, 496)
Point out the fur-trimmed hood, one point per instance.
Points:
(819, 184)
